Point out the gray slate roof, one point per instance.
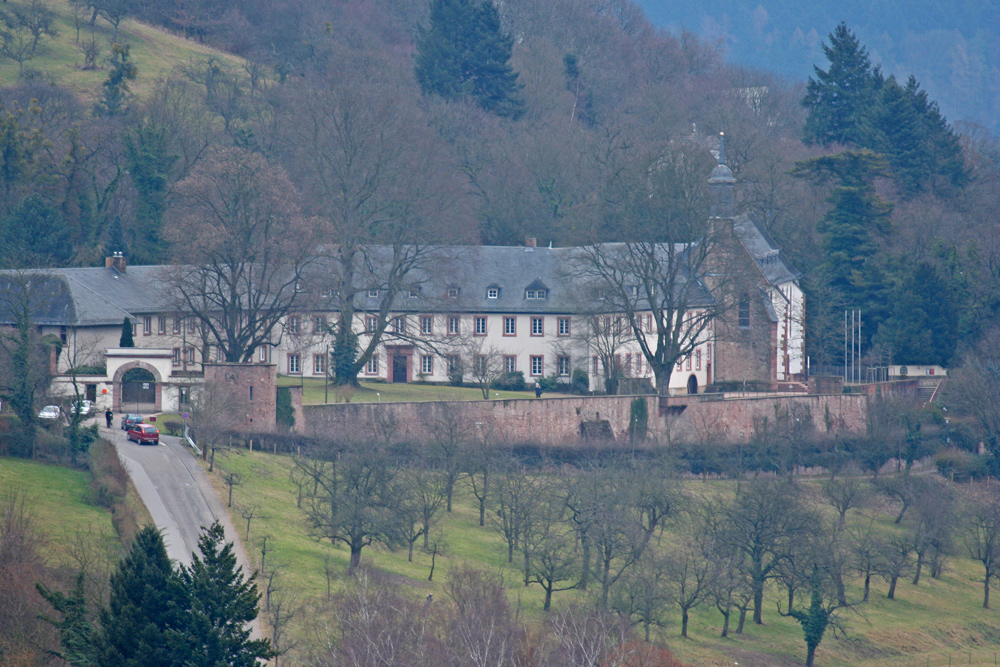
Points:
(95, 296)
(765, 252)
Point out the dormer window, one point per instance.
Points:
(537, 290)
(452, 293)
(414, 292)
(373, 293)
(492, 292)
(633, 290)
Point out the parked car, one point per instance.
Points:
(85, 406)
(130, 420)
(49, 412)
(143, 433)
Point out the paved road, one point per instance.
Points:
(176, 491)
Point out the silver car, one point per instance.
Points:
(49, 412)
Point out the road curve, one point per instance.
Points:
(177, 493)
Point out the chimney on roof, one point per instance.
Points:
(721, 186)
(116, 261)
(531, 242)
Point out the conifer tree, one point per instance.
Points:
(126, 339)
(464, 53)
(146, 619)
(75, 633)
(223, 602)
(841, 99)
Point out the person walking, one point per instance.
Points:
(108, 416)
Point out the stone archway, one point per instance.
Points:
(139, 387)
(692, 385)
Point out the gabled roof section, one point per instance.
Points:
(537, 284)
(765, 252)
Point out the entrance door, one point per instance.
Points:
(692, 385)
(399, 362)
(138, 391)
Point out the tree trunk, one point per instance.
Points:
(725, 624)
(868, 581)
(743, 620)
(449, 491)
(645, 626)
(892, 588)
(920, 565)
(355, 560)
(841, 592)
(427, 533)
(584, 562)
(810, 656)
(986, 592)
(409, 556)
(482, 512)
(510, 551)
(758, 602)
(548, 599)
(684, 622)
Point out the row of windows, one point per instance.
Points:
(492, 292)
(161, 325)
(536, 364)
(453, 325)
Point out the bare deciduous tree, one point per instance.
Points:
(243, 251)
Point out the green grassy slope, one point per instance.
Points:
(57, 497)
(314, 392)
(925, 624)
(156, 53)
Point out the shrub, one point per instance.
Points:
(580, 384)
(960, 465)
(510, 382)
(284, 415)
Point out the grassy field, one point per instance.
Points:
(156, 53)
(929, 624)
(315, 392)
(58, 497)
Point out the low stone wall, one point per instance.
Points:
(557, 421)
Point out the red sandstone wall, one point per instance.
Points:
(263, 378)
(557, 421)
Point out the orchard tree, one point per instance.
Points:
(464, 53)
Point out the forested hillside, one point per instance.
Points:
(384, 125)
(951, 47)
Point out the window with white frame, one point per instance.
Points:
(454, 325)
(189, 354)
(161, 325)
(510, 326)
(427, 364)
(537, 366)
(192, 325)
(454, 364)
(373, 293)
(294, 364)
(371, 368)
(697, 360)
(480, 363)
(178, 322)
(537, 326)
(177, 356)
(371, 324)
(319, 324)
(426, 325)
(220, 355)
(596, 366)
(414, 292)
(293, 324)
(147, 325)
(399, 324)
(319, 364)
(480, 329)
(510, 363)
(688, 363)
(492, 292)
(563, 326)
(628, 365)
(134, 329)
(562, 366)
(452, 293)
(262, 353)
(536, 294)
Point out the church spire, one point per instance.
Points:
(721, 185)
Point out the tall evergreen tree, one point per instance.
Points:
(149, 163)
(464, 53)
(841, 99)
(126, 339)
(75, 632)
(223, 602)
(146, 619)
(923, 324)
